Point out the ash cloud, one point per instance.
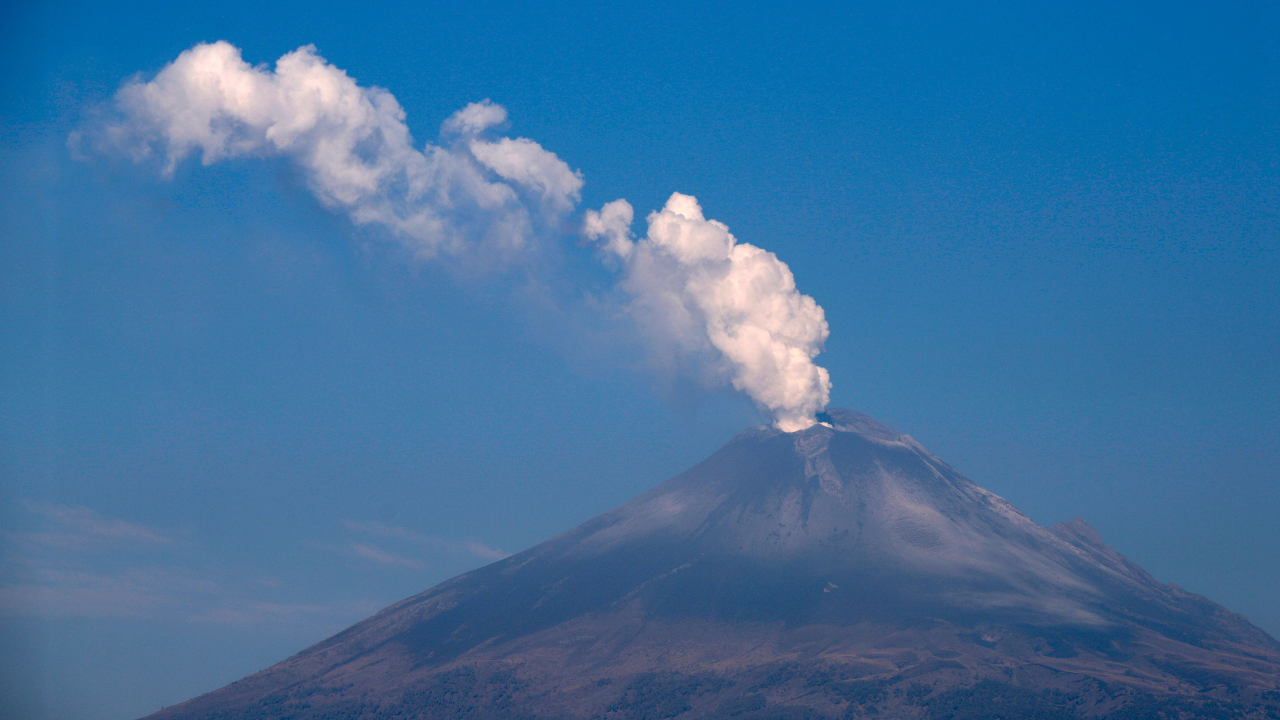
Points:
(697, 294)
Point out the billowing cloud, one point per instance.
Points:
(354, 145)
(475, 118)
(612, 225)
(524, 162)
(703, 299)
(699, 291)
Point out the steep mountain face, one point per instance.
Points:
(839, 571)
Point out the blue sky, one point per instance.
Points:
(1045, 240)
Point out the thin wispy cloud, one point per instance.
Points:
(76, 562)
(377, 555)
(75, 527)
(133, 592)
(416, 549)
(485, 552)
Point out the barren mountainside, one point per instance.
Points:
(841, 571)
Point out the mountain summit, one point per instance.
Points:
(839, 571)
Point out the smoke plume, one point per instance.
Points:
(354, 146)
(692, 288)
(692, 285)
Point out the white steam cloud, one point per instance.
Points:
(354, 145)
(692, 287)
(693, 284)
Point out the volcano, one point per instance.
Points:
(841, 571)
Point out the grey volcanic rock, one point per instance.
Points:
(840, 571)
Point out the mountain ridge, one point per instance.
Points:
(845, 551)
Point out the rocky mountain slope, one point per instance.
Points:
(839, 571)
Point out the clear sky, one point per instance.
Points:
(1047, 242)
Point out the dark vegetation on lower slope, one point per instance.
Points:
(788, 692)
